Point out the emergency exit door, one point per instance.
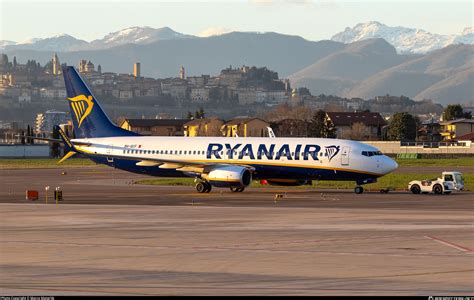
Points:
(345, 156)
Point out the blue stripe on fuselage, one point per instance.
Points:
(261, 171)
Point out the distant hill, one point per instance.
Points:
(445, 76)
(283, 53)
(64, 42)
(405, 40)
(341, 70)
(366, 68)
(372, 67)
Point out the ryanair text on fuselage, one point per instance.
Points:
(270, 152)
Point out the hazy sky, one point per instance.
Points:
(313, 20)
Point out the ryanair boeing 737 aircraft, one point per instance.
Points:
(216, 161)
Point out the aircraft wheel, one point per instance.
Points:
(241, 189)
(208, 187)
(201, 187)
(359, 190)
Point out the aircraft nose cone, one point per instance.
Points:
(390, 165)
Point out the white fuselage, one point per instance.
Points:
(296, 153)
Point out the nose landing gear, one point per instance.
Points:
(358, 189)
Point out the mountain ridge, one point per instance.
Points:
(64, 42)
(365, 68)
(405, 40)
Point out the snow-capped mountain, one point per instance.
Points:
(466, 37)
(65, 43)
(405, 40)
(137, 35)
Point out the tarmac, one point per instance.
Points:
(112, 237)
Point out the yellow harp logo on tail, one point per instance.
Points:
(82, 107)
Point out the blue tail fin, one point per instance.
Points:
(88, 118)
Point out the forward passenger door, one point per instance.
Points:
(345, 156)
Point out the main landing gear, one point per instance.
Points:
(203, 187)
(237, 189)
(358, 189)
(206, 187)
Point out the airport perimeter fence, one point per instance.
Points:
(414, 150)
(24, 151)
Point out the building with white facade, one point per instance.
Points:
(45, 122)
(199, 94)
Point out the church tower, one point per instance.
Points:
(56, 65)
(182, 73)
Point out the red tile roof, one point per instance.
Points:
(466, 137)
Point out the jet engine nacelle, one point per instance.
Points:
(227, 176)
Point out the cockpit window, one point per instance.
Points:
(371, 153)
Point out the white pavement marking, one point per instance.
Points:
(446, 243)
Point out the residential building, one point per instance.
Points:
(175, 88)
(246, 95)
(244, 127)
(276, 96)
(291, 128)
(127, 94)
(158, 127)
(45, 122)
(453, 129)
(200, 94)
(430, 130)
(25, 97)
(357, 125)
(466, 137)
(203, 127)
(53, 93)
(198, 81)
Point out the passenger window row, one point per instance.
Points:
(186, 152)
(171, 152)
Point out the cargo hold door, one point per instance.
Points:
(109, 150)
